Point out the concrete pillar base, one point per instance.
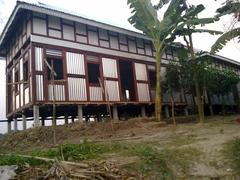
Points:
(9, 126)
(36, 121)
(115, 113)
(80, 113)
(166, 110)
(186, 111)
(15, 125)
(43, 121)
(143, 112)
(24, 121)
(66, 119)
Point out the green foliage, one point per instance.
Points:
(221, 82)
(172, 77)
(224, 39)
(19, 160)
(230, 7)
(77, 152)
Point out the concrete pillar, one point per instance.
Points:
(24, 121)
(115, 113)
(43, 121)
(143, 111)
(66, 119)
(80, 113)
(73, 119)
(186, 111)
(36, 120)
(9, 126)
(15, 125)
(166, 110)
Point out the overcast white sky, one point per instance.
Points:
(116, 12)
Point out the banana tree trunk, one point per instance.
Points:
(158, 106)
(173, 110)
(196, 84)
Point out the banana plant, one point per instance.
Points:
(186, 29)
(145, 18)
(177, 20)
(230, 7)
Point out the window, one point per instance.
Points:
(152, 78)
(57, 66)
(16, 81)
(25, 71)
(93, 73)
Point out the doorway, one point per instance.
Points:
(127, 80)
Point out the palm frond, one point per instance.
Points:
(224, 39)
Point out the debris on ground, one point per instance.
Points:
(7, 172)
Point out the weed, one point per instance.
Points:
(20, 161)
(78, 152)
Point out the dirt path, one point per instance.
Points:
(208, 138)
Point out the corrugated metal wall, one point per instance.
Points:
(26, 96)
(59, 92)
(39, 88)
(77, 89)
(112, 90)
(75, 63)
(143, 92)
(38, 59)
(95, 94)
(111, 86)
(141, 72)
(109, 68)
(142, 86)
(17, 101)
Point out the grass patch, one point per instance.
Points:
(232, 152)
(153, 163)
(182, 159)
(77, 152)
(20, 161)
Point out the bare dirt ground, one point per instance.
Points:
(208, 138)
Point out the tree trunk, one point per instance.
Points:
(173, 110)
(209, 103)
(158, 107)
(196, 84)
(223, 106)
